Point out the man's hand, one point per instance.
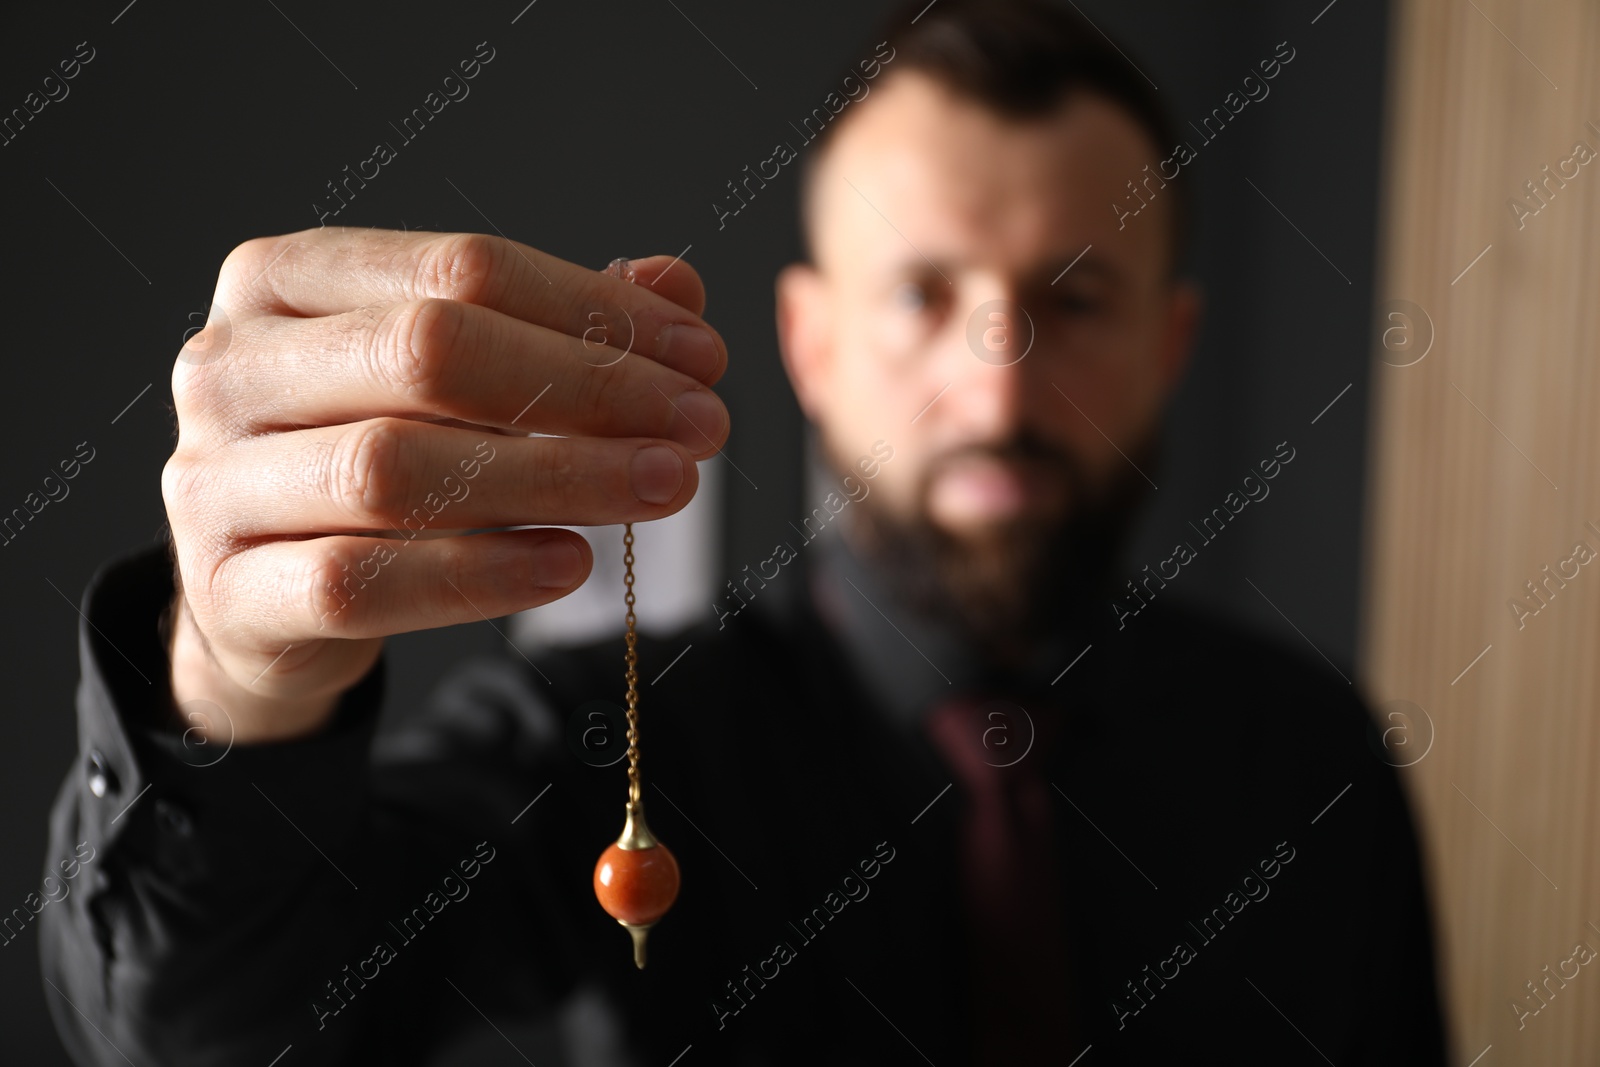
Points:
(361, 398)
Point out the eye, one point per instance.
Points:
(911, 296)
(1070, 303)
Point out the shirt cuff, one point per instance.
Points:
(198, 809)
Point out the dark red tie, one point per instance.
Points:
(1010, 873)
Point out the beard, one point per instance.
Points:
(1005, 586)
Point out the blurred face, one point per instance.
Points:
(974, 303)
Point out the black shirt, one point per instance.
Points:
(1242, 873)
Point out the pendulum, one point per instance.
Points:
(636, 878)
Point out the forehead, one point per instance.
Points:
(920, 170)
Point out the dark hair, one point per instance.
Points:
(1021, 58)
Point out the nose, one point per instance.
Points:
(989, 369)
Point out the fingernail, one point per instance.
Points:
(656, 474)
(690, 350)
(700, 420)
(556, 564)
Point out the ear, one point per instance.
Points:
(805, 334)
(1184, 307)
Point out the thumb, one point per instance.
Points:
(666, 276)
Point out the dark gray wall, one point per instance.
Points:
(603, 129)
(1288, 289)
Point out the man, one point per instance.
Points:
(934, 800)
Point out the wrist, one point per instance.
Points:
(250, 711)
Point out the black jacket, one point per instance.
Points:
(1243, 875)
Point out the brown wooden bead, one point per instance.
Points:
(636, 886)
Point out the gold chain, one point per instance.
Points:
(633, 668)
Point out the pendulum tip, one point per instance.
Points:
(638, 934)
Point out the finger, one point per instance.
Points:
(441, 359)
(361, 587)
(672, 278)
(328, 272)
(397, 475)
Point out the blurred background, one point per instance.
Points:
(1375, 297)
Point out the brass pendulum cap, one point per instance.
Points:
(635, 831)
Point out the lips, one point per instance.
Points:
(986, 490)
